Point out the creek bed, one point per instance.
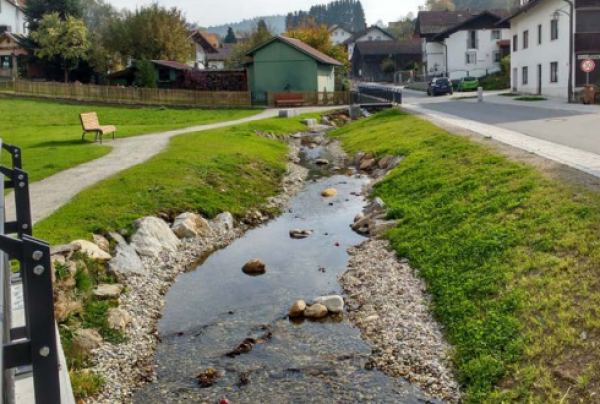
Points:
(213, 308)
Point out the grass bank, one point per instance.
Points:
(50, 132)
(228, 169)
(511, 259)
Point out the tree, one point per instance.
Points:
(65, 40)
(359, 22)
(345, 13)
(318, 37)
(438, 5)
(259, 35)
(152, 33)
(404, 28)
(145, 76)
(388, 66)
(35, 10)
(230, 38)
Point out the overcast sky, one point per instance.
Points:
(216, 12)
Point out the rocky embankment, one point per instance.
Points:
(388, 301)
(145, 268)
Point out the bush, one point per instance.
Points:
(145, 76)
(388, 66)
(495, 82)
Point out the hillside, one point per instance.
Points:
(275, 22)
(485, 4)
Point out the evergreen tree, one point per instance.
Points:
(35, 10)
(145, 76)
(230, 38)
(359, 21)
(345, 13)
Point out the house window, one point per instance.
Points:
(525, 75)
(5, 62)
(370, 38)
(471, 58)
(554, 72)
(540, 34)
(164, 75)
(496, 35)
(496, 56)
(553, 30)
(525, 39)
(4, 28)
(472, 42)
(515, 43)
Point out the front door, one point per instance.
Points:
(539, 77)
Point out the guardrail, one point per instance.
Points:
(377, 95)
(35, 343)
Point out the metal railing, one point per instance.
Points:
(377, 95)
(35, 343)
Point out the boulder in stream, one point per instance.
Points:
(329, 193)
(334, 304)
(297, 308)
(300, 234)
(317, 310)
(255, 267)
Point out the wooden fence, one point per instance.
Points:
(7, 86)
(312, 98)
(130, 95)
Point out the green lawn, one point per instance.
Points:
(228, 169)
(510, 256)
(50, 133)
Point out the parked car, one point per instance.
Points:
(467, 84)
(440, 85)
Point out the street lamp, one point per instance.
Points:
(556, 18)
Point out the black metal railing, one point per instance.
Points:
(35, 343)
(377, 95)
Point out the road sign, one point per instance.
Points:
(588, 65)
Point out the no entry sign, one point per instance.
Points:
(588, 65)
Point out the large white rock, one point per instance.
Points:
(85, 341)
(153, 236)
(108, 291)
(190, 225)
(334, 304)
(118, 319)
(126, 261)
(223, 223)
(92, 250)
(102, 242)
(288, 113)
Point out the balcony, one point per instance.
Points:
(588, 42)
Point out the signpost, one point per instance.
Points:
(588, 66)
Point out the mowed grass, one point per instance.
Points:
(511, 258)
(50, 132)
(229, 169)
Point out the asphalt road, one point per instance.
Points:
(580, 130)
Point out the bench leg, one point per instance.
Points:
(100, 136)
(114, 133)
(83, 137)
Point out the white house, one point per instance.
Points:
(207, 51)
(339, 34)
(373, 33)
(546, 55)
(462, 43)
(12, 17)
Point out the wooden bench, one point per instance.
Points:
(288, 99)
(90, 123)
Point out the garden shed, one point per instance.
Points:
(286, 64)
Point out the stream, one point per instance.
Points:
(213, 308)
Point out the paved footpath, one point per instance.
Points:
(53, 192)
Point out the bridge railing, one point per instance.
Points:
(35, 343)
(377, 95)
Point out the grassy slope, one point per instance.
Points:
(511, 259)
(50, 132)
(228, 169)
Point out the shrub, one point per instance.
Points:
(145, 76)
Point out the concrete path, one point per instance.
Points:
(53, 192)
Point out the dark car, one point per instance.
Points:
(439, 86)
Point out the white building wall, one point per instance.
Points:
(543, 54)
(12, 17)
(434, 58)
(339, 35)
(373, 34)
(483, 62)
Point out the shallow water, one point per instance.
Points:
(211, 310)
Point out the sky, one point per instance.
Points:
(217, 12)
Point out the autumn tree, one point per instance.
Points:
(438, 5)
(152, 33)
(259, 35)
(63, 40)
(318, 37)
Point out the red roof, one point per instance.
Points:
(302, 47)
(171, 64)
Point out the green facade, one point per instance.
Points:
(280, 67)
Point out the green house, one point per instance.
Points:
(286, 64)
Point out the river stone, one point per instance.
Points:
(317, 310)
(359, 217)
(376, 206)
(383, 163)
(297, 308)
(107, 291)
(102, 243)
(334, 304)
(126, 261)
(223, 223)
(367, 164)
(85, 341)
(300, 234)
(190, 225)
(394, 162)
(378, 227)
(309, 122)
(92, 250)
(330, 192)
(255, 267)
(118, 319)
(153, 236)
(358, 158)
(321, 162)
